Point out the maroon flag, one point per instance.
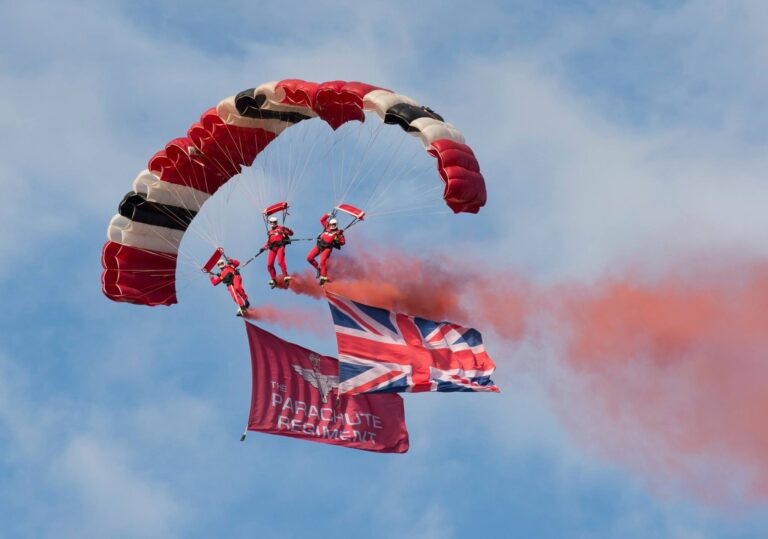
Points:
(295, 393)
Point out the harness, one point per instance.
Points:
(284, 240)
(279, 243)
(229, 278)
(323, 245)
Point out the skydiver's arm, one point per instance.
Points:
(288, 231)
(324, 220)
(215, 279)
(234, 262)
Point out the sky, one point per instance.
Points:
(618, 273)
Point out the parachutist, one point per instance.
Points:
(278, 236)
(230, 275)
(330, 238)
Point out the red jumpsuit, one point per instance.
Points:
(231, 277)
(278, 237)
(326, 242)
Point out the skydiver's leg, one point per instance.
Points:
(238, 284)
(312, 255)
(324, 256)
(271, 264)
(281, 260)
(235, 295)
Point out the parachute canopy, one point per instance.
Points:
(140, 255)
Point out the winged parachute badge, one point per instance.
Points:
(324, 383)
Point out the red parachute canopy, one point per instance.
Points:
(139, 258)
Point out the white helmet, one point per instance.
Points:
(221, 263)
(332, 222)
(273, 219)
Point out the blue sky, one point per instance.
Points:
(611, 135)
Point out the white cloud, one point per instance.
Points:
(575, 194)
(117, 499)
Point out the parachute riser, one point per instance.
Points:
(354, 221)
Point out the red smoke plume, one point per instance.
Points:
(669, 376)
(394, 281)
(675, 376)
(287, 318)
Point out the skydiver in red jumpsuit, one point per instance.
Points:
(277, 238)
(229, 275)
(331, 238)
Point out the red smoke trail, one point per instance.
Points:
(676, 376)
(287, 318)
(394, 281)
(668, 376)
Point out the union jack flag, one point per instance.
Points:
(386, 352)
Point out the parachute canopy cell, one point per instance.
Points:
(139, 258)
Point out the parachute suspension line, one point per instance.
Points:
(238, 144)
(358, 175)
(315, 143)
(410, 211)
(292, 166)
(269, 170)
(288, 164)
(378, 181)
(212, 225)
(216, 227)
(421, 203)
(380, 162)
(414, 207)
(257, 186)
(343, 173)
(343, 148)
(383, 187)
(307, 158)
(232, 184)
(330, 158)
